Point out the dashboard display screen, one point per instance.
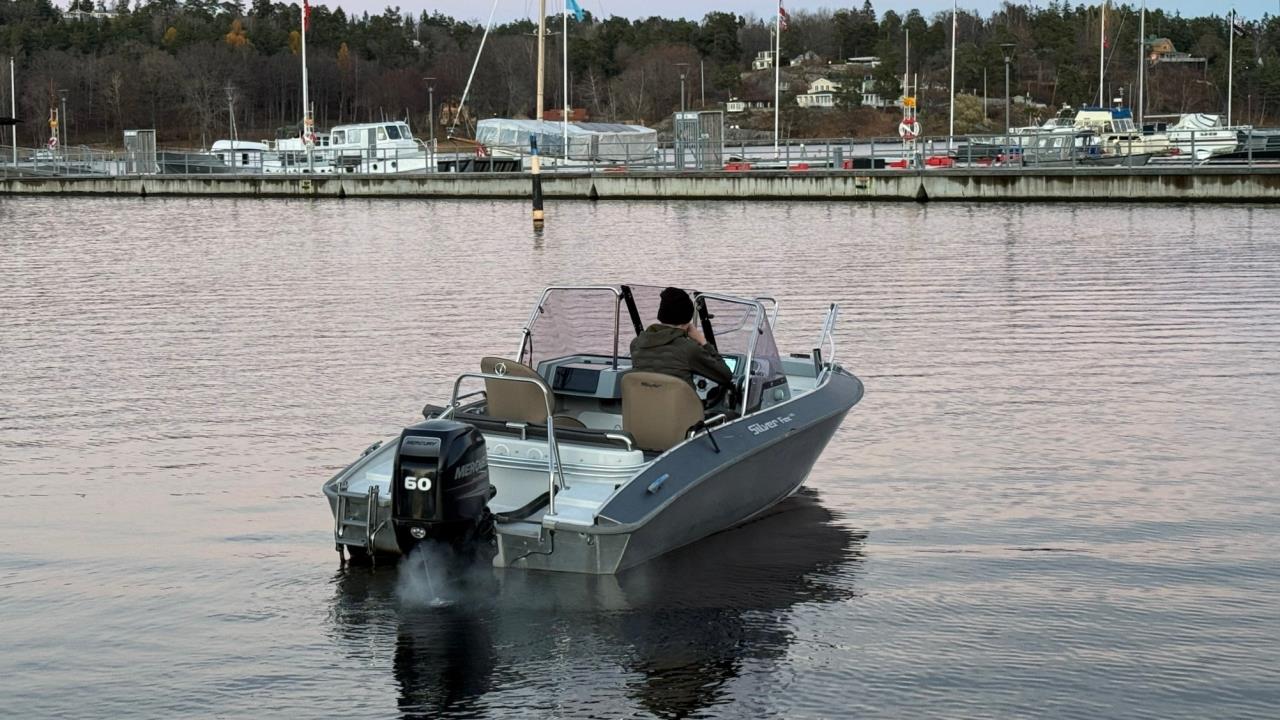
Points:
(576, 380)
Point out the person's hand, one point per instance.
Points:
(697, 335)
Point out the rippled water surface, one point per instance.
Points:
(1059, 497)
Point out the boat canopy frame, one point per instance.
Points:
(581, 330)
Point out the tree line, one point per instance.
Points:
(179, 67)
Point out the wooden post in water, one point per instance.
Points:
(536, 168)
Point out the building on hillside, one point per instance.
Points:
(751, 102)
(871, 95)
(763, 61)
(871, 61)
(821, 94)
(1161, 50)
(82, 15)
(808, 57)
(575, 114)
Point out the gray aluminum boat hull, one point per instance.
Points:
(692, 491)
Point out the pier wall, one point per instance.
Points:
(1241, 184)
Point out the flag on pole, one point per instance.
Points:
(1237, 26)
(782, 16)
(306, 14)
(573, 7)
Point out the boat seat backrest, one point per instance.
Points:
(515, 401)
(658, 409)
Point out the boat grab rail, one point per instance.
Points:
(773, 312)
(554, 468)
(828, 338)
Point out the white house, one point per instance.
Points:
(808, 57)
(822, 94)
(871, 95)
(737, 104)
(763, 61)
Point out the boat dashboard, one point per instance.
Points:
(595, 376)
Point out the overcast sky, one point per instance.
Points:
(508, 9)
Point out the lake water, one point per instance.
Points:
(1058, 499)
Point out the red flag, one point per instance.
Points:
(306, 14)
(782, 16)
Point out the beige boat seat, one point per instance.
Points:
(519, 401)
(658, 409)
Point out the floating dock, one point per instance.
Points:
(1145, 184)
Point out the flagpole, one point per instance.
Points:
(952, 131)
(565, 120)
(13, 109)
(777, 74)
(1231, 60)
(306, 104)
(306, 101)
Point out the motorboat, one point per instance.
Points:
(566, 458)
(366, 148)
(1118, 134)
(1202, 136)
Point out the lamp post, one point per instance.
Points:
(431, 108)
(684, 70)
(62, 122)
(1007, 49)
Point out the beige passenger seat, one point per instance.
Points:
(658, 409)
(520, 401)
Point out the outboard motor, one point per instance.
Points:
(440, 489)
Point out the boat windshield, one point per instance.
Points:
(741, 327)
(575, 321)
(602, 320)
(393, 132)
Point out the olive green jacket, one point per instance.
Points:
(669, 350)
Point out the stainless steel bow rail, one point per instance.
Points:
(827, 338)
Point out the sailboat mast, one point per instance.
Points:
(564, 40)
(777, 73)
(952, 130)
(1231, 61)
(1142, 65)
(1102, 60)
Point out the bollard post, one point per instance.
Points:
(1193, 149)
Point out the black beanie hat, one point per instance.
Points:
(676, 308)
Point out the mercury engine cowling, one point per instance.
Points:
(440, 488)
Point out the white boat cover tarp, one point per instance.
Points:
(1198, 121)
(587, 141)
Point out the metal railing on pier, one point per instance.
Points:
(1059, 150)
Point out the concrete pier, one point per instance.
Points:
(1147, 184)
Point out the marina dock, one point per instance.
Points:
(1140, 184)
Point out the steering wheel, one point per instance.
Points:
(715, 394)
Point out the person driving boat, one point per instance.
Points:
(675, 346)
